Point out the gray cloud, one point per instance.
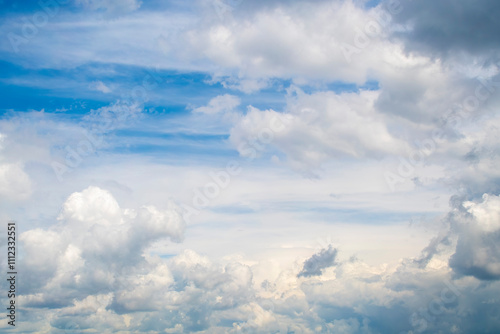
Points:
(446, 27)
(94, 269)
(477, 251)
(478, 255)
(191, 293)
(324, 259)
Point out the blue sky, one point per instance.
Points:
(252, 166)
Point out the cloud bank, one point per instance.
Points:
(370, 126)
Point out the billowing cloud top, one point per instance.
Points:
(237, 166)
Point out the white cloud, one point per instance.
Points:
(319, 127)
(486, 213)
(15, 184)
(96, 245)
(220, 104)
(477, 251)
(297, 41)
(247, 264)
(100, 87)
(95, 253)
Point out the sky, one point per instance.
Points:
(249, 166)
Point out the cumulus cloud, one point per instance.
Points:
(296, 40)
(93, 272)
(290, 40)
(319, 127)
(478, 251)
(94, 247)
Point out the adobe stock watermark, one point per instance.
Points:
(372, 29)
(31, 25)
(452, 118)
(108, 119)
(220, 180)
(224, 7)
(421, 319)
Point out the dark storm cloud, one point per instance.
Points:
(443, 27)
